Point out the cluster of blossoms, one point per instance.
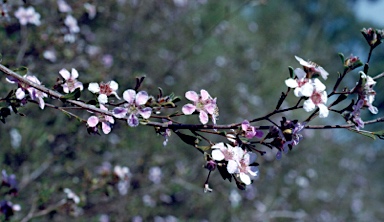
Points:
(238, 161)
(286, 136)
(307, 85)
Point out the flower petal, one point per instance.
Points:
(146, 112)
(94, 87)
(141, 98)
(106, 128)
(119, 112)
(129, 96)
(319, 86)
(323, 110)
(113, 85)
(217, 155)
(232, 167)
(300, 73)
(92, 121)
(75, 73)
(245, 178)
(133, 121)
(308, 105)
(204, 94)
(20, 94)
(322, 72)
(203, 116)
(188, 109)
(102, 98)
(192, 95)
(65, 74)
(291, 83)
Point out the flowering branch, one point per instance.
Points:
(234, 159)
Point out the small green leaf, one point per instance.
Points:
(73, 95)
(379, 134)
(21, 71)
(291, 72)
(1, 57)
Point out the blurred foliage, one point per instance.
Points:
(237, 50)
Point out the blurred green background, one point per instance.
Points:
(237, 50)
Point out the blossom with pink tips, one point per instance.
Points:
(33, 93)
(134, 107)
(318, 98)
(203, 103)
(104, 90)
(28, 15)
(105, 120)
(71, 82)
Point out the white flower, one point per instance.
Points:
(247, 172)
(318, 98)
(28, 15)
(63, 6)
(302, 85)
(71, 23)
(71, 82)
(72, 196)
(229, 153)
(312, 67)
(104, 90)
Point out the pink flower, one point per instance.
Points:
(28, 15)
(202, 103)
(106, 121)
(238, 161)
(104, 90)
(247, 172)
(33, 93)
(134, 107)
(250, 131)
(71, 82)
(312, 68)
(318, 98)
(229, 153)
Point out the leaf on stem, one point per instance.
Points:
(341, 55)
(364, 133)
(291, 72)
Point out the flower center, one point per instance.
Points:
(316, 98)
(105, 89)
